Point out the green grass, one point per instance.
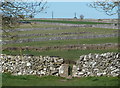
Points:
(66, 54)
(48, 36)
(67, 42)
(91, 30)
(39, 26)
(67, 22)
(9, 80)
(64, 35)
(88, 32)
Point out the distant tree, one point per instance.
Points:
(110, 7)
(99, 20)
(31, 16)
(81, 17)
(13, 10)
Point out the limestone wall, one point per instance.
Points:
(31, 65)
(67, 47)
(59, 38)
(111, 26)
(106, 64)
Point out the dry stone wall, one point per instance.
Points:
(50, 34)
(66, 47)
(59, 38)
(106, 64)
(31, 65)
(111, 26)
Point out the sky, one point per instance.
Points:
(68, 10)
(66, 0)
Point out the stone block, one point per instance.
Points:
(63, 70)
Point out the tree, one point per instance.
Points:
(81, 17)
(13, 10)
(110, 7)
(31, 16)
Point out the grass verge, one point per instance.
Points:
(9, 80)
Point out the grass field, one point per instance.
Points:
(68, 22)
(9, 80)
(80, 31)
(58, 81)
(39, 26)
(67, 42)
(66, 54)
(64, 29)
(87, 30)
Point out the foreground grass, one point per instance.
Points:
(9, 80)
(66, 54)
(68, 22)
(66, 42)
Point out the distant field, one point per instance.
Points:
(58, 31)
(38, 26)
(67, 54)
(68, 29)
(67, 42)
(67, 22)
(9, 80)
